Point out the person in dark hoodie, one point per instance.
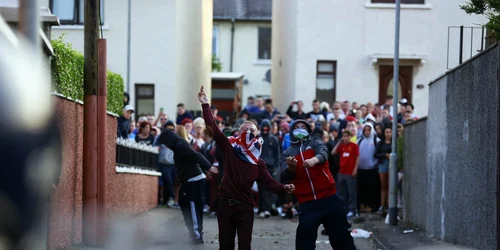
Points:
(271, 155)
(242, 167)
(191, 176)
(306, 164)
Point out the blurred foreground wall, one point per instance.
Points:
(125, 193)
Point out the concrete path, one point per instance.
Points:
(393, 237)
(164, 229)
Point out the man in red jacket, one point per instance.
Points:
(305, 164)
(242, 167)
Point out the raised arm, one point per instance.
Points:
(219, 137)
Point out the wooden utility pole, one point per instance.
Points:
(90, 209)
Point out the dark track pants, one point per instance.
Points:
(330, 212)
(232, 219)
(191, 203)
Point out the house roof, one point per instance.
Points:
(257, 10)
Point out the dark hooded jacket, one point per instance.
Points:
(187, 161)
(310, 183)
(271, 148)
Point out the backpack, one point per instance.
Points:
(166, 155)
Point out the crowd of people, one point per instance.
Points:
(356, 145)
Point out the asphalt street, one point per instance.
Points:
(164, 229)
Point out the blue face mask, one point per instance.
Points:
(300, 134)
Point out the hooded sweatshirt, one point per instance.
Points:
(270, 148)
(310, 183)
(187, 161)
(367, 146)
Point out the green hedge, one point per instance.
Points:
(67, 72)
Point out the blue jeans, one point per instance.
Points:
(168, 173)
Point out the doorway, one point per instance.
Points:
(386, 81)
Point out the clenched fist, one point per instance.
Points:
(290, 188)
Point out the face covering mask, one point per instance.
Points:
(247, 136)
(265, 130)
(300, 134)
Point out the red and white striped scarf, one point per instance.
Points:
(247, 147)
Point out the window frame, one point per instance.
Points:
(394, 1)
(142, 97)
(328, 73)
(76, 12)
(258, 43)
(216, 34)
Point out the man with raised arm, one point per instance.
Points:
(242, 167)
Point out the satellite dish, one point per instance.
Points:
(267, 77)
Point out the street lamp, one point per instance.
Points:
(393, 174)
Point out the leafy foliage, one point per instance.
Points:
(489, 8)
(67, 72)
(216, 64)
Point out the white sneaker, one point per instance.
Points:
(267, 214)
(170, 202)
(206, 208)
(380, 210)
(350, 214)
(280, 210)
(262, 215)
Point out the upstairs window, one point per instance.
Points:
(326, 74)
(402, 1)
(71, 12)
(215, 41)
(264, 43)
(144, 99)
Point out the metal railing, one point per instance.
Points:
(458, 40)
(132, 154)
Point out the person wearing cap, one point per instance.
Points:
(305, 163)
(123, 127)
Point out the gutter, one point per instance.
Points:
(233, 20)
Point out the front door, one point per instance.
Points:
(386, 81)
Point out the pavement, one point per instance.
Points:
(401, 236)
(164, 228)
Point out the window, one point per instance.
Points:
(72, 11)
(264, 43)
(144, 99)
(402, 1)
(215, 41)
(325, 81)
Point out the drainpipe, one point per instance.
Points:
(232, 45)
(29, 22)
(129, 30)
